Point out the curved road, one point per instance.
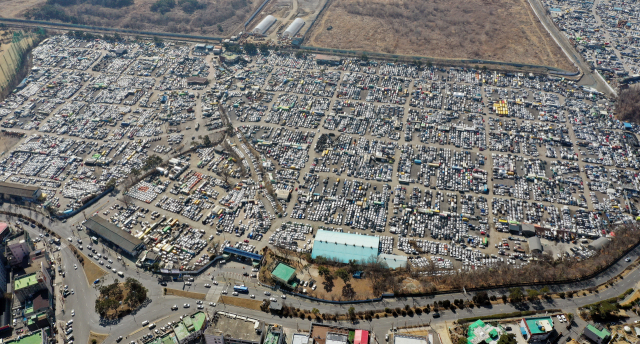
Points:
(590, 78)
(158, 310)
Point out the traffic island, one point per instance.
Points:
(119, 299)
(240, 302)
(92, 271)
(97, 338)
(183, 293)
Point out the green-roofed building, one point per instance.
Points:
(597, 334)
(26, 285)
(169, 338)
(283, 273)
(37, 337)
(190, 328)
(479, 332)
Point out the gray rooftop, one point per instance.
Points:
(111, 232)
(18, 189)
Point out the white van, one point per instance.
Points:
(120, 273)
(145, 323)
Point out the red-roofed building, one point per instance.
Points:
(361, 337)
(4, 230)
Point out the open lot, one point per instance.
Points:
(204, 20)
(505, 30)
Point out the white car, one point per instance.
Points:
(200, 307)
(119, 258)
(284, 296)
(252, 296)
(186, 305)
(215, 282)
(207, 285)
(73, 312)
(224, 292)
(273, 299)
(212, 304)
(75, 267)
(235, 293)
(174, 308)
(559, 318)
(267, 293)
(627, 259)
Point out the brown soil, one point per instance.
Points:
(91, 269)
(230, 14)
(505, 30)
(182, 293)
(99, 337)
(240, 302)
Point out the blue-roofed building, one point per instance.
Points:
(344, 247)
(628, 126)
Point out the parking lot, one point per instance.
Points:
(437, 162)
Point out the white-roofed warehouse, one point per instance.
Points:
(264, 25)
(293, 29)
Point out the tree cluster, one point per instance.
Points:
(152, 162)
(628, 105)
(103, 3)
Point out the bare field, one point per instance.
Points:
(229, 14)
(8, 57)
(99, 337)
(183, 293)
(500, 30)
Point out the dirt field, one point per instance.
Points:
(505, 30)
(230, 14)
(189, 294)
(91, 270)
(99, 337)
(240, 302)
(6, 52)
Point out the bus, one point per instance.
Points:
(241, 289)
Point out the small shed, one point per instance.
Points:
(528, 230)
(535, 246)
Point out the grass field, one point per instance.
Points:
(8, 59)
(189, 294)
(240, 302)
(500, 30)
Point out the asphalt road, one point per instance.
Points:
(590, 78)
(158, 309)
